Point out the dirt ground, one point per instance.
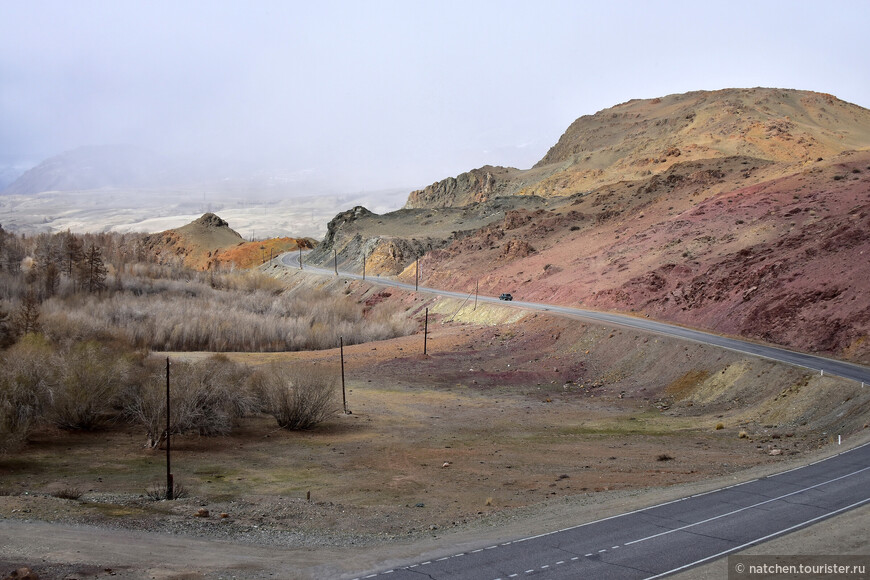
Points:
(508, 416)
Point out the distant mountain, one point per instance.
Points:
(97, 167)
(12, 167)
(647, 137)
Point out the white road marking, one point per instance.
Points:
(731, 513)
(759, 540)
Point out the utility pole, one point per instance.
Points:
(335, 260)
(426, 331)
(476, 288)
(169, 483)
(417, 275)
(300, 257)
(343, 394)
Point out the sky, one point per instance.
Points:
(371, 94)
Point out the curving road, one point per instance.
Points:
(664, 539)
(817, 363)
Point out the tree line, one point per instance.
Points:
(80, 316)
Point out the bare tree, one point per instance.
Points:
(50, 280)
(11, 253)
(7, 331)
(72, 252)
(27, 319)
(92, 270)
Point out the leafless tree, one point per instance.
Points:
(27, 319)
(92, 271)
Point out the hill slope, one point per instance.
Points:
(641, 138)
(742, 211)
(210, 242)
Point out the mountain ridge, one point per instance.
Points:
(643, 137)
(762, 230)
(96, 167)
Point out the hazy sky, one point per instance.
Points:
(371, 94)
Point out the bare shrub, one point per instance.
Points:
(89, 379)
(246, 281)
(206, 398)
(158, 491)
(68, 493)
(240, 312)
(299, 397)
(25, 389)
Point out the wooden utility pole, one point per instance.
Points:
(169, 483)
(300, 257)
(476, 288)
(343, 394)
(425, 331)
(417, 275)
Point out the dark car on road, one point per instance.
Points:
(505, 296)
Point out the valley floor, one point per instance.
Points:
(510, 425)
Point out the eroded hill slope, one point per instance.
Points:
(209, 242)
(742, 212)
(646, 137)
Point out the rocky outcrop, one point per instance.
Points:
(334, 231)
(474, 186)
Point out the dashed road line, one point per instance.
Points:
(591, 554)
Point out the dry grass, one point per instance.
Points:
(685, 385)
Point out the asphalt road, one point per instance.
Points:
(664, 539)
(817, 363)
(667, 538)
